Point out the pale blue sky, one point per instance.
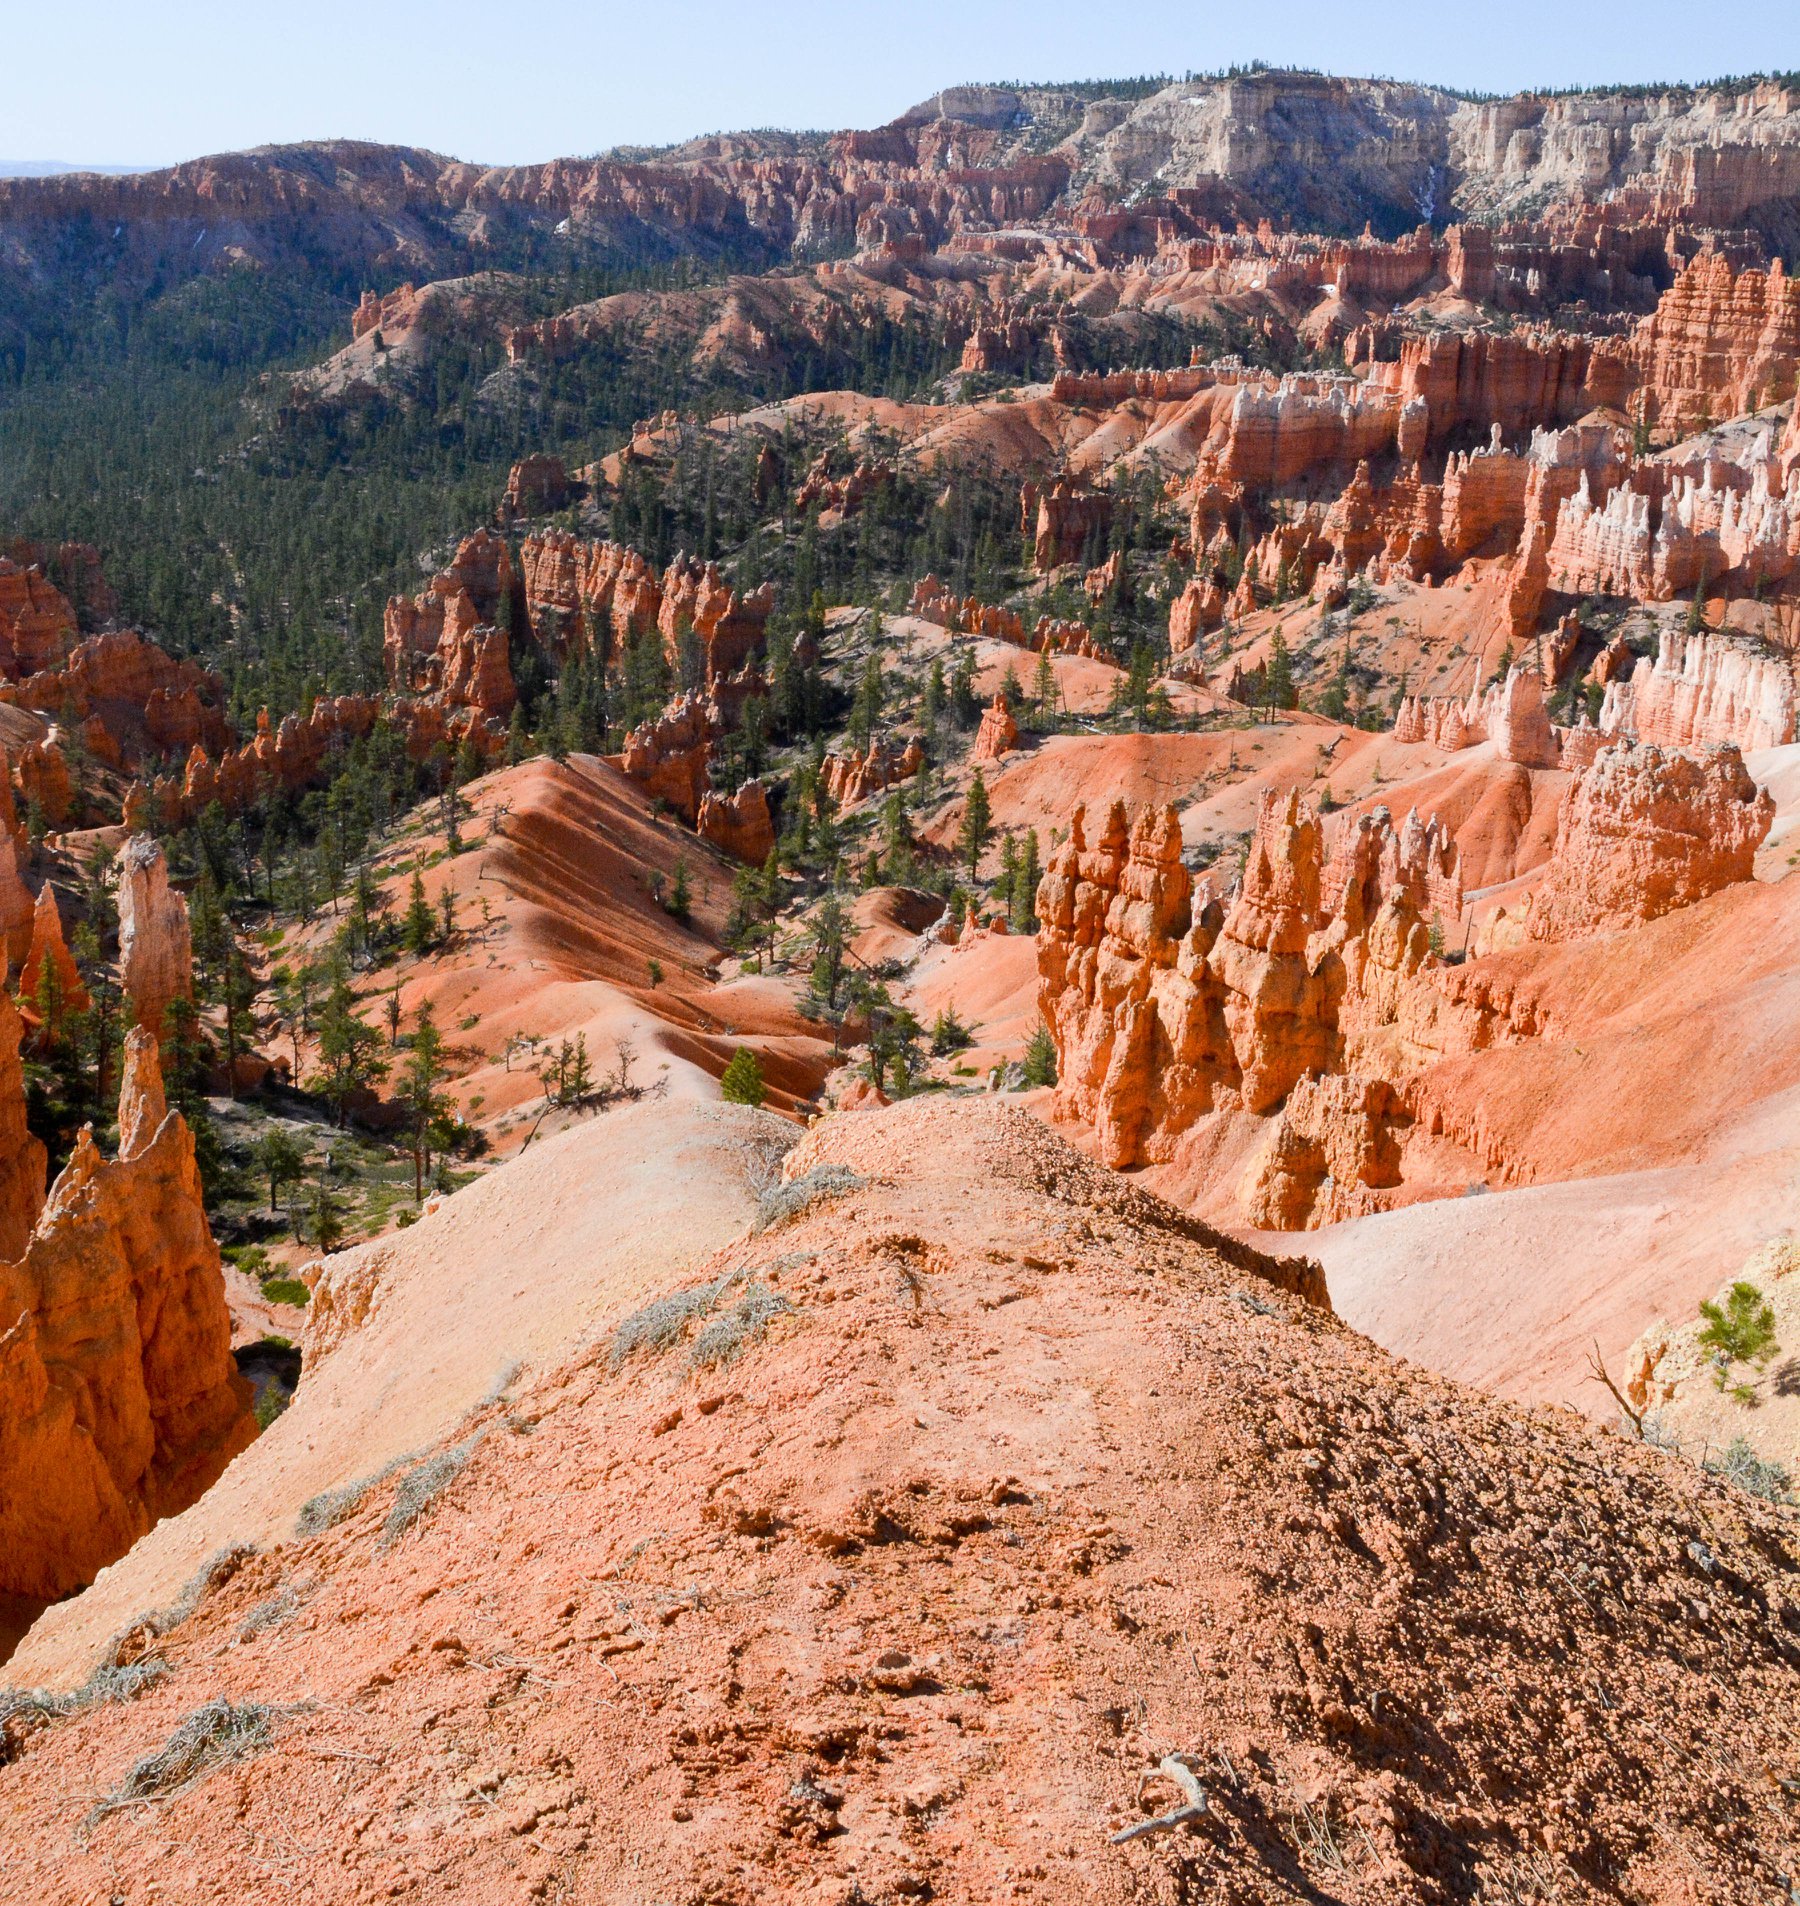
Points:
(126, 80)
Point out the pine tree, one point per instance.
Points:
(281, 1158)
(681, 897)
(1025, 885)
(1044, 693)
(965, 709)
(1740, 1330)
(931, 703)
(830, 934)
(419, 926)
(871, 695)
(236, 998)
(897, 844)
(349, 1048)
(1280, 688)
(977, 824)
(426, 1105)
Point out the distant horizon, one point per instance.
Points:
(170, 86)
(59, 168)
(62, 168)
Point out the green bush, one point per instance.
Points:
(742, 1083)
(1740, 1330)
(1040, 1058)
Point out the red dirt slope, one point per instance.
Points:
(1015, 1485)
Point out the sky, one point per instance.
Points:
(125, 82)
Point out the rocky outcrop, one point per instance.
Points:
(535, 486)
(1720, 342)
(998, 734)
(1198, 609)
(582, 596)
(119, 1399)
(1646, 830)
(841, 496)
(1060, 520)
(1701, 689)
(131, 695)
(17, 908)
(966, 615)
(446, 643)
(1518, 722)
(22, 1157)
(596, 596)
(1333, 1145)
(42, 771)
(739, 824)
(1166, 1006)
(48, 950)
(671, 754)
(156, 962)
(698, 605)
(296, 754)
(1512, 714)
(860, 772)
(37, 623)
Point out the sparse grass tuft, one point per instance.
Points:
(783, 1202)
(211, 1736)
(330, 1506)
(504, 1378)
(270, 1612)
(24, 1710)
(733, 1331)
(1738, 1463)
(421, 1486)
(663, 1322)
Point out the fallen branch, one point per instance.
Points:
(1597, 1373)
(1196, 1806)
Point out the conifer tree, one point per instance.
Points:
(419, 926)
(977, 824)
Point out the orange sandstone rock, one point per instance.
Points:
(1646, 830)
(739, 824)
(1166, 1006)
(22, 1157)
(1701, 689)
(445, 642)
(47, 948)
(155, 944)
(37, 624)
(1719, 342)
(671, 754)
(17, 908)
(119, 1399)
(999, 732)
(535, 485)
